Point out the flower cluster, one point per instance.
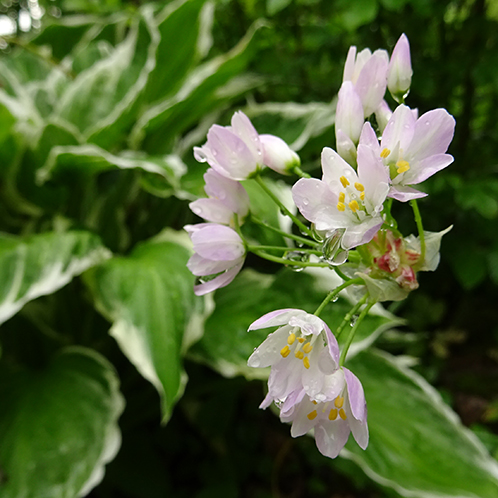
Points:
(381, 154)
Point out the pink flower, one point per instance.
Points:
(344, 410)
(399, 72)
(300, 352)
(344, 199)
(412, 149)
(238, 152)
(368, 72)
(219, 255)
(226, 198)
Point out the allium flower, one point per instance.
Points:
(300, 352)
(343, 411)
(218, 257)
(238, 152)
(368, 72)
(412, 149)
(399, 72)
(226, 198)
(343, 198)
(348, 121)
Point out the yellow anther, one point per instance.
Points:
(285, 351)
(354, 206)
(333, 414)
(359, 187)
(344, 181)
(338, 402)
(362, 196)
(402, 166)
(342, 414)
(300, 355)
(342, 197)
(314, 402)
(385, 153)
(291, 339)
(341, 206)
(307, 347)
(306, 362)
(301, 339)
(312, 415)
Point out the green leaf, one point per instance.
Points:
(226, 344)
(41, 264)
(102, 100)
(150, 300)
(178, 26)
(417, 445)
(58, 426)
(274, 6)
(207, 87)
(293, 122)
(90, 159)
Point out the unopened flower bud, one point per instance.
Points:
(399, 73)
(277, 155)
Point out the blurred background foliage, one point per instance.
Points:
(101, 104)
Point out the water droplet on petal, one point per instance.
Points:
(332, 250)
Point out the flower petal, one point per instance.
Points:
(349, 112)
(421, 170)
(211, 210)
(356, 395)
(404, 194)
(399, 130)
(331, 436)
(230, 192)
(220, 281)
(268, 352)
(243, 127)
(361, 233)
(201, 267)
(274, 318)
(218, 242)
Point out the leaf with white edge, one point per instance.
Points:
(90, 159)
(58, 426)
(204, 89)
(179, 28)
(43, 263)
(295, 123)
(149, 297)
(226, 344)
(101, 100)
(417, 444)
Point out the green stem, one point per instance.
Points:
(420, 228)
(349, 315)
(298, 171)
(281, 248)
(291, 236)
(339, 272)
(284, 210)
(335, 292)
(286, 262)
(350, 338)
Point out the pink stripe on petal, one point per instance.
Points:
(421, 170)
(274, 318)
(404, 194)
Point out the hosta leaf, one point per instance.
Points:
(417, 445)
(101, 100)
(58, 426)
(41, 264)
(179, 27)
(205, 88)
(226, 344)
(90, 159)
(149, 298)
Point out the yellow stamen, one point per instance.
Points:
(338, 402)
(306, 362)
(291, 339)
(362, 196)
(333, 414)
(307, 347)
(314, 402)
(344, 181)
(341, 206)
(312, 415)
(300, 355)
(354, 206)
(301, 339)
(285, 351)
(385, 153)
(402, 166)
(342, 414)
(359, 187)
(342, 197)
